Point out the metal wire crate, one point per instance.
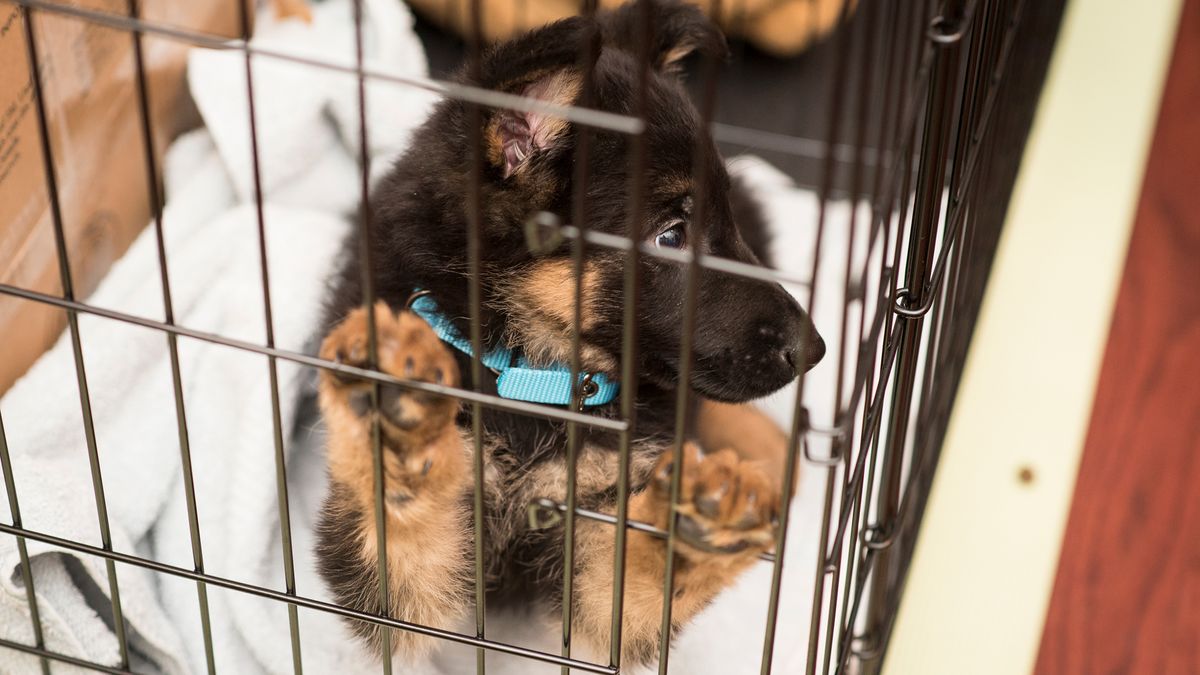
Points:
(915, 95)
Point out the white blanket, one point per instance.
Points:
(307, 123)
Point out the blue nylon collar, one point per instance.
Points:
(515, 377)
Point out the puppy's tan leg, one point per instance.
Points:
(425, 468)
(747, 430)
(743, 428)
(727, 515)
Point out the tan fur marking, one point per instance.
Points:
(595, 472)
(670, 60)
(745, 429)
(561, 88)
(425, 469)
(700, 574)
(541, 301)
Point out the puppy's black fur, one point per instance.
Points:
(751, 337)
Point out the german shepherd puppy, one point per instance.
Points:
(751, 339)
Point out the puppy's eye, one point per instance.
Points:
(671, 237)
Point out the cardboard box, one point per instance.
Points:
(92, 107)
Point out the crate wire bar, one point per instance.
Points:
(285, 519)
(936, 68)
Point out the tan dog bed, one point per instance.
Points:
(780, 27)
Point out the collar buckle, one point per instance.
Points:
(587, 389)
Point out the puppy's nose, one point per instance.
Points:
(806, 353)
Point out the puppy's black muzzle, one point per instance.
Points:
(753, 339)
(787, 334)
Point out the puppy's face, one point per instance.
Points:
(751, 337)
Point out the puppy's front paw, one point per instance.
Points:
(726, 505)
(420, 448)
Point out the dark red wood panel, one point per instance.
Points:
(1127, 595)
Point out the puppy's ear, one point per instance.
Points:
(542, 64)
(676, 31)
(515, 136)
